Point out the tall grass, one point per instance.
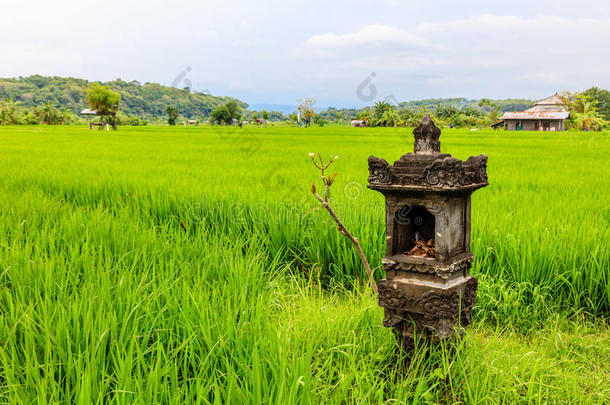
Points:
(543, 220)
(180, 265)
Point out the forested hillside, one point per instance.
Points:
(144, 100)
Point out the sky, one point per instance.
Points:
(341, 53)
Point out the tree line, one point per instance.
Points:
(589, 110)
(147, 101)
(55, 100)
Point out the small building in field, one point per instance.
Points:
(549, 114)
(89, 113)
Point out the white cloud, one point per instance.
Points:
(371, 35)
(483, 55)
(282, 51)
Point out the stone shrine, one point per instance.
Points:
(428, 291)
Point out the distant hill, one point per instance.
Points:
(149, 100)
(144, 100)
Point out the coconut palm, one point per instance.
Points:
(390, 118)
(379, 110)
(589, 119)
(381, 107)
(65, 115)
(9, 112)
(584, 113)
(48, 114)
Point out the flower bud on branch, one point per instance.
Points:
(328, 181)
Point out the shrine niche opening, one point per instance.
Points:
(414, 229)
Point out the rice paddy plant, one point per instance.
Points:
(542, 220)
(182, 265)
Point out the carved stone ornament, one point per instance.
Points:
(469, 298)
(443, 304)
(392, 297)
(440, 318)
(443, 271)
(380, 171)
(407, 325)
(427, 136)
(434, 207)
(392, 318)
(445, 172)
(479, 166)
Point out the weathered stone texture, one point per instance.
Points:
(427, 203)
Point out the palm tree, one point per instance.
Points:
(47, 113)
(380, 108)
(584, 113)
(390, 118)
(589, 119)
(65, 115)
(8, 112)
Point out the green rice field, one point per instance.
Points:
(193, 265)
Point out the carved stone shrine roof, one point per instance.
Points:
(427, 169)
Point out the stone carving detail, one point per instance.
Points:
(447, 304)
(479, 165)
(380, 171)
(426, 137)
(409, 180)
(392, 317)
(443, 304)
(443, 271)
(427, 167)
(469, 296)
(441, 309)
(390, 296)
(445, 172)
(434, 208)
(443, 312)
(435, 303)
(407, 325)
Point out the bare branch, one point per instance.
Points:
(348, 235)
(314, 163)
(327, 183)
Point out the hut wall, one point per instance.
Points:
(535, 125)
